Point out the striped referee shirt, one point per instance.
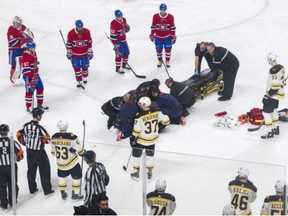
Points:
(5, 155)
(96, 181)
(33, 135)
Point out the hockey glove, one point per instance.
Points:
(69, 54)
(72, 150)
(116, 47)
(132, 141)
(126, 28)
(173, 39)
(90, 53)
(152, 38)
(266, 100)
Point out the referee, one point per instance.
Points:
(34, 137)
(5, 167)
(96, 179)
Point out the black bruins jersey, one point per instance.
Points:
(273, 205)
(62, 144)
(160, 203)
(242, 195)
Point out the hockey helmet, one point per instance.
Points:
(228, 210)
(163, 7)
(118, 13)
(62, 125)
(4, 128)
(30, 45)
(37, 112)
(279, 186)
(17, 21)
(160, 185)
(79, 24)
(89, 156)
(271, 57)
(243, 172)
(144, 102)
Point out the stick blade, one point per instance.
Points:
(124, 168)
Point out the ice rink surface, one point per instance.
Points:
(197, 160)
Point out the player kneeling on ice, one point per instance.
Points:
(274, 204)
(160, 203)
(65, 145)
(31, 76)
(125, 118)
(243, 192)
(275, 90)
(145, 134)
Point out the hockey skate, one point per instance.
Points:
(76, 197)
(119, 71)
(80, 85)
(159, 64)
(168, 64)
(44, 108)
(28, 110)
(276, 131)
(135, 176)
(268, 136)
(85, 81)
(126, 66)
(64, 195)
(149, 174)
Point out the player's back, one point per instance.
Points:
(273, 205)
(161, 203)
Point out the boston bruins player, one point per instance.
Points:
(274, 204)
(275, 90)
(65, 145)
(160, 203)
(145, 134)
(243, 192)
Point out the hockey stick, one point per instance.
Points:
(125, 167)
(84, 129)
(80, 85)
(166, 70)
(138, 76)
(256, 128)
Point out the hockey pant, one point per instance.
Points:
(137, 152)
(80, 66)
(76, 175)
(167, 45)
(29, 92)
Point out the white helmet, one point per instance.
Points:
(17, 21)
(161, 185)
(243, 172)
(279, 186)
(228, 210)
(62, 125)
(144, 102)
(271, 56)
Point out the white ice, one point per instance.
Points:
(197, 160)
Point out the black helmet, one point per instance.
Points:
(37, 112)
(4, 129)
(89, 156)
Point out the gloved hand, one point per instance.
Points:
(152, 38)
(196, 73)
(90, 53)
(72, 150)
(266, 100)
(173, 39)
(132, 141)
(69, 54)
(116, 47)
(126, 28)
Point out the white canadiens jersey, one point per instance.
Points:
(146, 126)
(62, 143)
(276, 81)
